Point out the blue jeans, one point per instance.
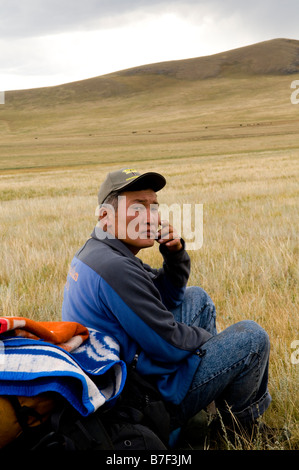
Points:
(233, 371)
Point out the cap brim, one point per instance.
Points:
(149, 180)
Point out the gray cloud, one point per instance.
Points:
(267, 18)
(41, 17)
(44, 17)
(32, 50)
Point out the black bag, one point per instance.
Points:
(138, 421)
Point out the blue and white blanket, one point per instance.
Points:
(29, 367)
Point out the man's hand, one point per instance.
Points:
(168, 236)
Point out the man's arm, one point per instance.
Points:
(171, 280)
(130, 296)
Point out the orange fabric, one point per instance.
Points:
(68, 335)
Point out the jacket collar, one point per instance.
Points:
(115, 243)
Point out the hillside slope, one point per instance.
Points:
(220, 103)
(274, 57)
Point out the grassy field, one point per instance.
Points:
(230, 144)
(248, 262)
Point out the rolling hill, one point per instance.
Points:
(275, 57)
(220, 103)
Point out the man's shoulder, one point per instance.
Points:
(104, 258)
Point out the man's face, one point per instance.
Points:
(137, 219)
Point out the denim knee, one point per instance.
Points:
(199, 296)
(204, 311)
(197, 309)
(259, 337)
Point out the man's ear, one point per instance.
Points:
(102, 212)
(103, 220)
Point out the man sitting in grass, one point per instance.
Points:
(167, 327)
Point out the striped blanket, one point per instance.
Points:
(81, 364)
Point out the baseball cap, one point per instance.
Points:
(130, 180)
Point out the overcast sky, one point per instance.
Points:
(50, 42)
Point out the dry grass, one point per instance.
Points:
(229, 143)
(248, 262)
